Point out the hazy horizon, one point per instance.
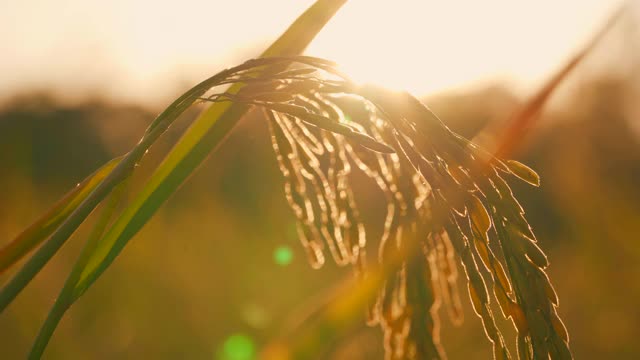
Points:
(143, 52)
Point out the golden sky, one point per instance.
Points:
(141, 50)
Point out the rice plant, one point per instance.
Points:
(446, 199)
(447, 202)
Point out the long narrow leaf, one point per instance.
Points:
(37, 232)
(117, 175)
(208, 131)
(523, 119)
(186, 155)
(67, 295)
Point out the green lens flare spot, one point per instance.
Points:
(238, 347)
(283, 255)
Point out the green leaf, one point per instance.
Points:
(37, 232)
(186, 155)
(209, 130)
(68, 294)
(121, 171)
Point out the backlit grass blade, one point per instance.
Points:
(523, 119)
(341, 310)
(121, 171)
(193, 147)
(319, 324)
(37, 232)
(201, 138)
(67, 294)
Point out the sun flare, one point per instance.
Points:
(422, 46)
(427, 46)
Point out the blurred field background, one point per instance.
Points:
(218, 272)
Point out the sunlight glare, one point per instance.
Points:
(429, 46)
(127, 52)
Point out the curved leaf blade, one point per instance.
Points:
(42, 228)
(67, 295)
(208, 131)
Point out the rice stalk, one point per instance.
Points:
(62, 221)
(447, 202)
(494, 222)
(445, 196)
(42, 228)
(69, 293)
(443, 193)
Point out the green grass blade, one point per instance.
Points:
(205, 134)
(67, 295)
(37, 232)
(121, 171)
(199, 140)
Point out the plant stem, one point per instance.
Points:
(119, 173)
(204, 135)
(68, 294)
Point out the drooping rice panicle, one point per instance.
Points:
(446, 199)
